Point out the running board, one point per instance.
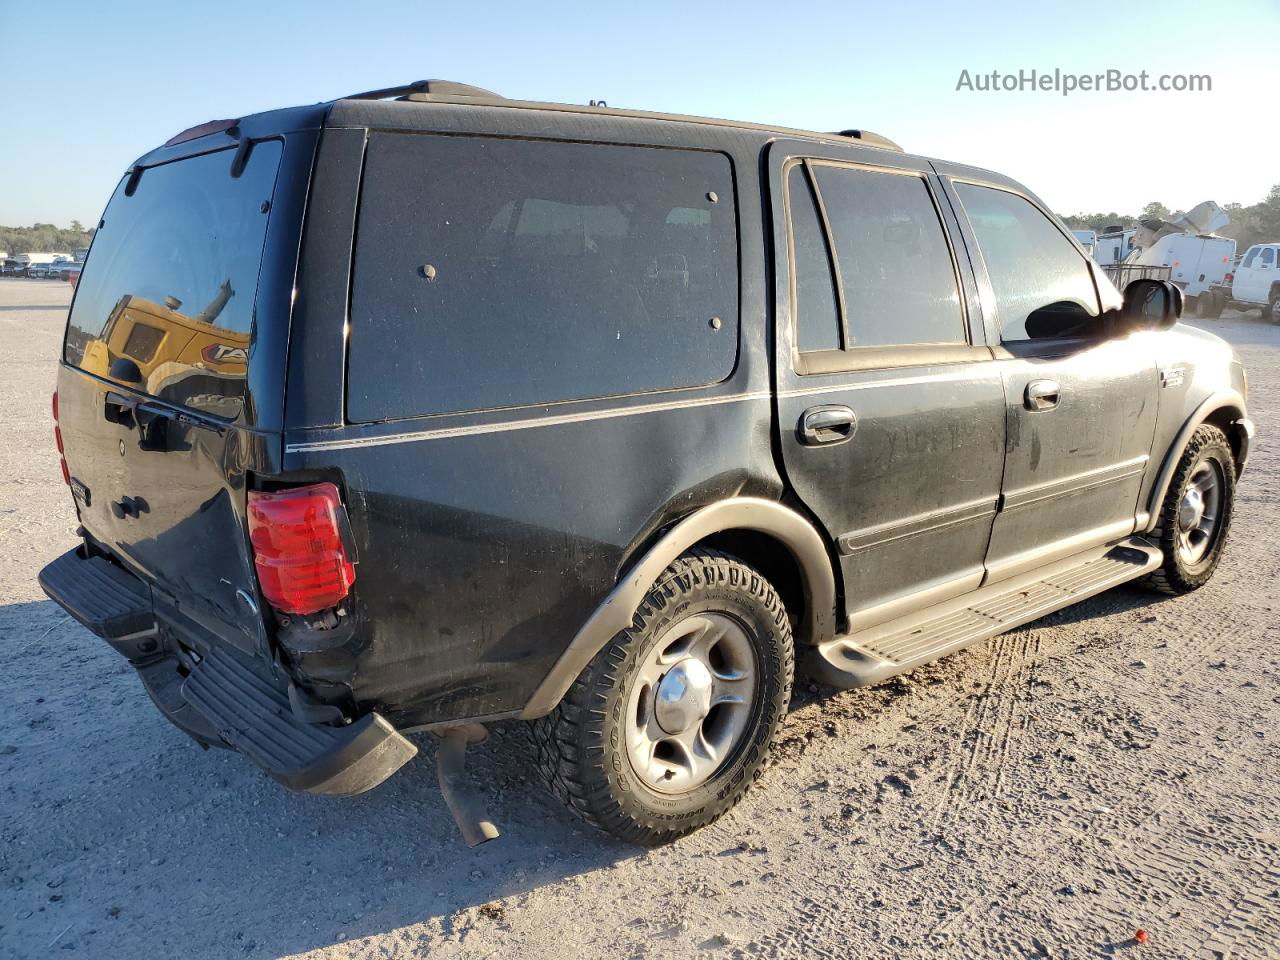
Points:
(879, 652)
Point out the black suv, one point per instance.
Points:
(424, 408)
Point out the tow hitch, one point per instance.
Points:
(468, 812)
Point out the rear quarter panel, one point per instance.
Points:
(487, 539)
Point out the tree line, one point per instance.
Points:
(1258, 223)
(44, 238)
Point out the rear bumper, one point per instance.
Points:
(218, 695)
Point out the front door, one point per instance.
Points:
(1080, 408)
(890, 406)
(1255, 275)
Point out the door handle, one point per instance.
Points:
(828, 424)
(1043, 394)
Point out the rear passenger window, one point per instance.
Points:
(894, 264)
(492, 273)
(1042, 285)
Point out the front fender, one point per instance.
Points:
(1228, 405)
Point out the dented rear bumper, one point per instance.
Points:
(218, 695)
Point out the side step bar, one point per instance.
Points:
(880, 652)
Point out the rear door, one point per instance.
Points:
(1080, 408)
(890, 407)
(1213, 264)
(157, 417)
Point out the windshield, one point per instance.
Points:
(166, 301)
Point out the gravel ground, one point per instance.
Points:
(1109, 768)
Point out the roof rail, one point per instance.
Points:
(444, 88)
(866, 136)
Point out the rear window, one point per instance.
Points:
(166, 300)
(494, 273)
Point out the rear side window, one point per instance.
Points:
(1268, 257)
(493, 273)
(895, 267)
(1251, 256)
(166, 300)
(817, 312)
(1042, 285)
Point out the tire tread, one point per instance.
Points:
(566, 754)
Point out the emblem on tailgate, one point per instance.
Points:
(80, 492)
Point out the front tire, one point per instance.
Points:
(669, 725)
(1196, 514)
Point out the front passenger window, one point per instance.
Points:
(1043, 287)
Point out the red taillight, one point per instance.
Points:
(1230, 277)
(297, 547)
(57, 438)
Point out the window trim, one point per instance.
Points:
(849, 357)
(1051, 345)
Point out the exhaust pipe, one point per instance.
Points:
(451, 760)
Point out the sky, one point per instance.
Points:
(91, 86)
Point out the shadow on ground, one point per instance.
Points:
(127, 837)
(116, 823)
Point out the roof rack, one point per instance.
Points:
(425, 88)
(449, 91)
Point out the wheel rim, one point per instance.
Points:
(1200, 513)
(691, 702)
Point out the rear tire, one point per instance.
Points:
(605, 750)
(1195, 517)
(1211, 305)
(1272, 312)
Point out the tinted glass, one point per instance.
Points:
(1043, 286)
(171, 282)
(898, 278)
(1268, 257)
(817, 313)
(558, 271)
(1251, 256)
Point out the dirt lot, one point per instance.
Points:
(1113, 767)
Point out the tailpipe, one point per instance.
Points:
(451, 763)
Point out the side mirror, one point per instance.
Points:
(124, 370)
(1150, 305)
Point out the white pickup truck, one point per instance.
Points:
(1254, 283)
